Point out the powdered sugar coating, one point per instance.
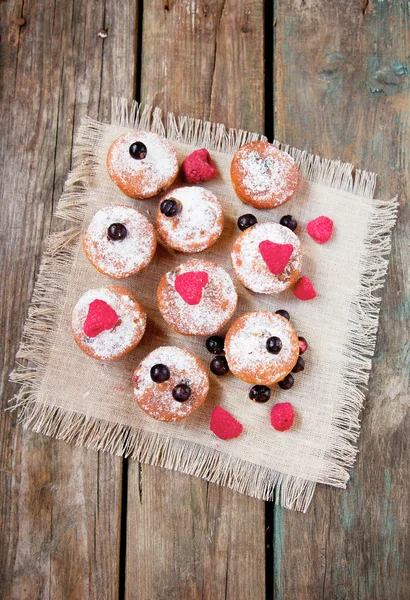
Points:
(119, 258)
(197, 225)
(263, 175)
(114, 343)
(146, 177)
(156, 398)
(245, 347)
(249, 265)
(218, 303)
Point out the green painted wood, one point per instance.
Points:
(342, 90)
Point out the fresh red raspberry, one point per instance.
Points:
(276, 256)
(303, 289)
(189, 286)
(198, 166)
(224, 425)
(282, 416)
(320, 229)
(101, 317)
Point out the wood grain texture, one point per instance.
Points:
(187, 538)
(342, 90)
(60, 505)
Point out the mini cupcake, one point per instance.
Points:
(170, 384)
(197, 298)
(261, 347)
(189, 219)
(142, 164)
(264, 176)
(267, 258)
(119, 241)
(108, 323)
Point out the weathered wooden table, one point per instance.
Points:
(330, 76)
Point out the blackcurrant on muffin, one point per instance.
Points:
(261, 347)
(119, 241)
(142, 164)
(189, 219)
(170, 384)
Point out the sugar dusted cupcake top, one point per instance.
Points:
(108, 322)
(251, 354)
(259, 249)
(264, 176)
(142, 164)
(170, 383)
(189, 219)
(119, 241)
(197, 298)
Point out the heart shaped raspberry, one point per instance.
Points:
(224, 425)
(198, 166)
(320, 229)
(276, 256)
(101, 317)
(190, 285)
(303, 289)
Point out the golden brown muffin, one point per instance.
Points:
(251, 268)
(189, 219)
(246, 347)
(264, 176)
(142, 164)
(207, 302)
(158, 398)
(108, 323)
(119, 241)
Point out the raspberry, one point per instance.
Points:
(276, 256)
(303, 289)
(101, 317)
(282, 416)
(189, 286)
(224, 425)
(320, 229)
(198, 166)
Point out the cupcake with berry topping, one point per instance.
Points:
(142, 164)
(119, 241)
(264, 176)
(261, 348)
(267, 257)
(170, 384)
(197, 298)
(189, 219)
(107, 323)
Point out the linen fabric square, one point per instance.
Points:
(67, 395)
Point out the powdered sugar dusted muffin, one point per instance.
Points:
(189, 219)
(264, 176)
(142, 164)
(119, 241)
(267, 258)
(108, 323)
(170, 384)
(197, 298)
(253, 355)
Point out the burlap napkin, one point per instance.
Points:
(67, 395)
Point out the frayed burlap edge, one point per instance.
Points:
(122, 440)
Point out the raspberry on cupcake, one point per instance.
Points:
(197, 298)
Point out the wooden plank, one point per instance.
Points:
(186, 538)
(60, 505)
(342, 90)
